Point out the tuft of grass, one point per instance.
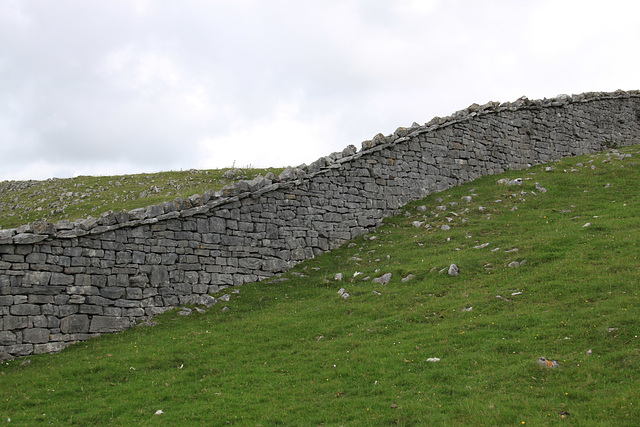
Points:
(292, 351)
(22, 202)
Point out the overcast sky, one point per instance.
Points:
(118, 87)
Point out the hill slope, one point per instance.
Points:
(55, 199)
(548, 273)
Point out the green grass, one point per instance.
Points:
(296, 353)
(22, 202)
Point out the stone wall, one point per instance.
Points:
(65, 282)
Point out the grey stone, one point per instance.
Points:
(35, 336)
(7, 338)
(383, 280)
(25, 310)
(103, 324)
(453, 270)
(74, 324)
(50, 347)
(19, 349)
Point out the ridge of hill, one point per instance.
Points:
(56, 199)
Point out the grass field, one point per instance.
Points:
(292, 351)
(22, 202)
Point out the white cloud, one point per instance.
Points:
(151, 85)
(283, 139)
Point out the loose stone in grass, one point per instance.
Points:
(433, 359)
(409, 277)
(484, 245)
(225, 297)
(515, 264)
(207, 300)
(453, 270)
(338, 277)
(343, 293)
(540, 188)
(383, 280)
(506, 181)
(184, 311)
(543, 361)
(445, 227)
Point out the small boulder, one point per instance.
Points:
(383, 280)
(453, 270)
(543, 361)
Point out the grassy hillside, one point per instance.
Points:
(294, 351)
(22, 202)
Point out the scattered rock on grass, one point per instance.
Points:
(383, 280)
(453, 270)
(543, 361)
(515, 264)
(409, 277)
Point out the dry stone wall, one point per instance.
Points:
(65, 282)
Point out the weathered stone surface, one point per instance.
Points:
(36, 335)
(104, 324)
(74, 324)
(383, 280)
(7, 338)
(25, 310)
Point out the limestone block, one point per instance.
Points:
(25, 310)
(19, 349)
(113, 311)
(36, 258)
(134, 293)
(90, 309)
(75, 324)
(50, 347)
(112, 292)
(159, 275)
(102, 324)
(38, 321)
(67, 309)
(62, 279)
(133, 312)
(7, 338)
(40, 299)
(35, 335)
